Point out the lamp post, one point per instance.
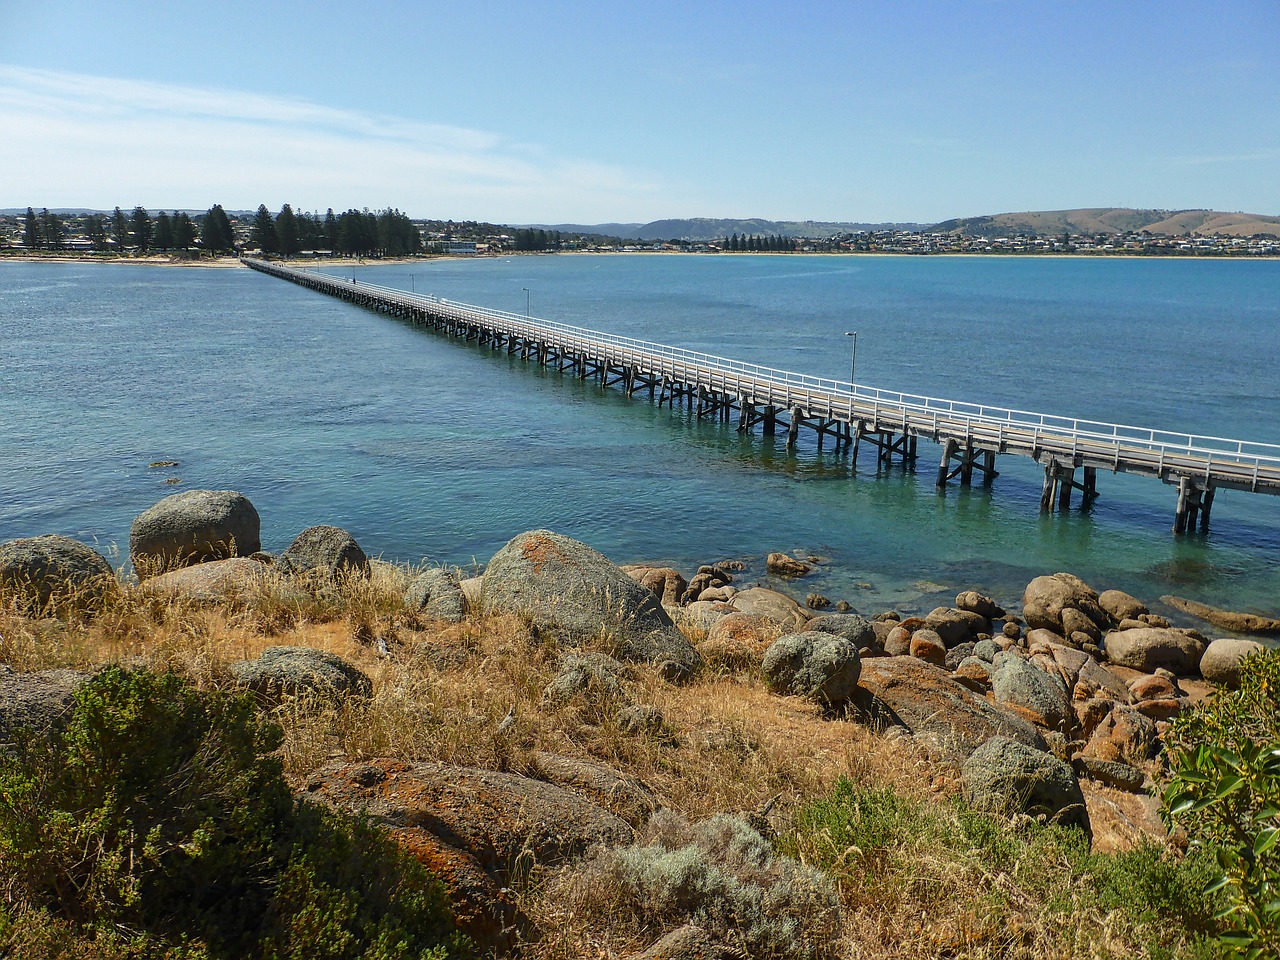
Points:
(853, 361)
(526, 302)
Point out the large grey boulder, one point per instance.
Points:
(813, 664)
(437, 595)
(908, 692)
(1149, 648)
(570, 589)
(192, 527)
(851, 626)
(1016, 682)
(302, 672)
(1221, 661)
(324, 553)
(52, 571)
(1005, 776)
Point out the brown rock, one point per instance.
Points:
(977, 603)
(666, 583)
(784, 565)
(1165, 708)
(603, 785)
(1011, 630)
(1151, 688)
(1074, 621)
(907, 692)
(1121, 605)
(1236, 622)
(1125, 735)
(928, 646)
(498, 818)
(898, 642)
(212, 581)
(771, 604)
(1147, 648)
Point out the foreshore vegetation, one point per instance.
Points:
(167, 817)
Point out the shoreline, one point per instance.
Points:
(224, 263)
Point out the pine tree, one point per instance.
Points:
(140, 229)
(119, 229)
(163, 239)
(287, 232)
(263, 232)
(184, 231)
(52, 233)
(331, 230)
(32, 237)
(215, 231)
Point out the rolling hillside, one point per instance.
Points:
(1111, 220)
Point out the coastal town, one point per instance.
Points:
(103, 234)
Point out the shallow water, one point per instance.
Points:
(426, 448)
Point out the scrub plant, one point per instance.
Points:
(157, 816)
(1224, 786)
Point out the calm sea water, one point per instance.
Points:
(425, 448)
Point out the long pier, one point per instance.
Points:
(971, 436)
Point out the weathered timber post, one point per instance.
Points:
(794, 429)
(1067, 482)
(770, 421)
(1050, 482)
(988, 467)
(966, 464)
(948, 451)
(1180, 513)
(1090, 486)
(1205, 506)
(911, 449)
(857, 439)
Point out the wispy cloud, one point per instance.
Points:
(77, 140)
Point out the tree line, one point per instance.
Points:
(762, 244)
(386, 233)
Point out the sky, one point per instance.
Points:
(593, 112)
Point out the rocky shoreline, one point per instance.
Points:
(1050, 707)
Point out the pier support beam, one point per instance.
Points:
(948, 451)
(1193, 502)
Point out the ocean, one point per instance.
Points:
(431, 450)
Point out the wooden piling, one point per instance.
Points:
(948, 451)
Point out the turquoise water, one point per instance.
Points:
(426, 448)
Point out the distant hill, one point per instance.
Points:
(705, 228)
(1111, 220)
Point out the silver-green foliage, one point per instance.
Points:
(724, 876)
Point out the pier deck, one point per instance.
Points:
(971, 435)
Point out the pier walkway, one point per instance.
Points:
(729, 391)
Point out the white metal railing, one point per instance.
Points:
(1067, 435)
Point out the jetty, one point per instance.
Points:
(971, 436)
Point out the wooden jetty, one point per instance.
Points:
(971, 436)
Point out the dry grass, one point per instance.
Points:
(727, 745)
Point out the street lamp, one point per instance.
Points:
(853, 361)
(526, 302)
(413, 286)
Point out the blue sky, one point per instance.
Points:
(594, 112)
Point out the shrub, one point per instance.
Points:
(936, 879)
(162, 810)
(722, 875)
(1224, 785)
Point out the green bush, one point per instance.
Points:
(158, 815)
(1224, 786)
